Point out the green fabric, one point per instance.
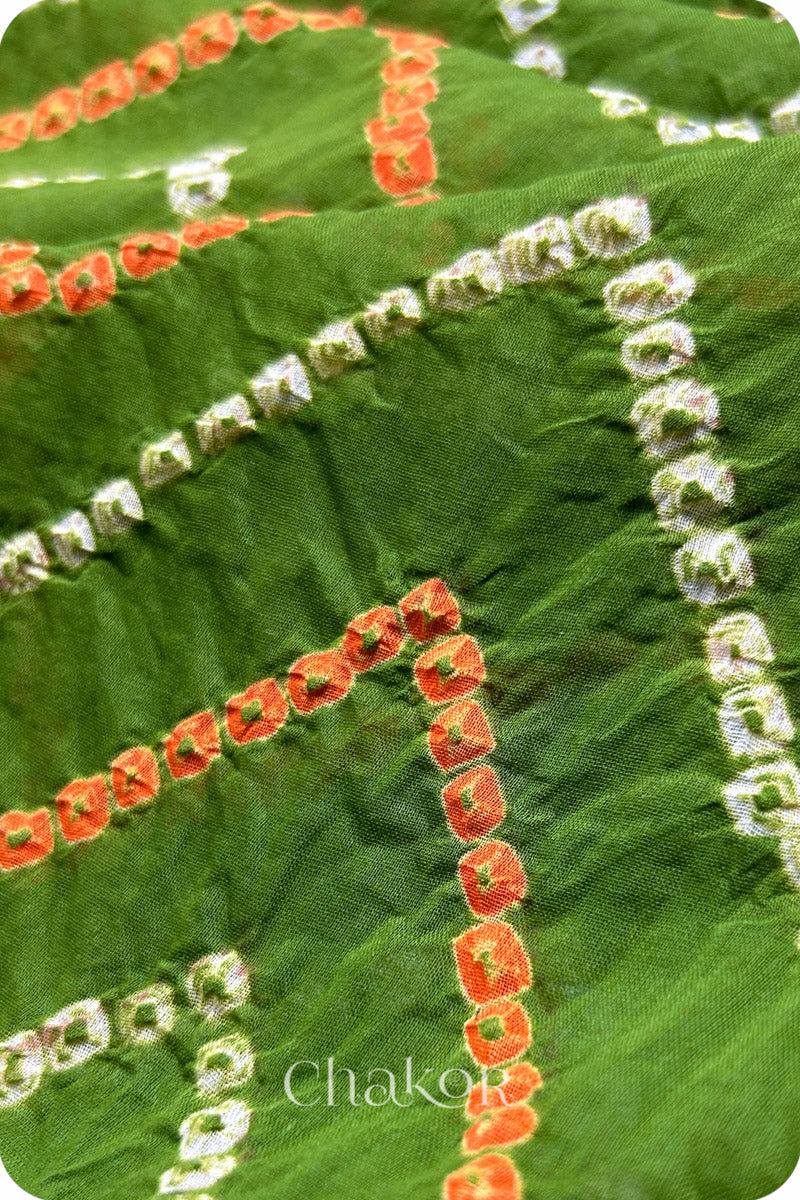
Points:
(491, 448)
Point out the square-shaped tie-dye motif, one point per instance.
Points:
(399, 600)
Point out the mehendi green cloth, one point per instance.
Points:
(399, 600)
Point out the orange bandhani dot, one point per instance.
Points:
(135, 777)
(491, 962)
(192, 746)
(15, 128)
(208, 40)
(57, 113)
(88, 283)
(24, 838)
(16, 252)
(265, 21)
(504, 1127)
(105, 91)
(415, 94)
(521, 1081)
(323, 21)
(83, 808)
(493, 879)
(454, 668)
(200, 233)
(460, 734)
(23, 289)
(317, 679)
(399, 130)
(404, 42)
(156, 68)
(423, 198)
(498, 1033)
(372, 638)
(257, 712)
(430, 611)
(474, 803)
(406, 169)
(411, 64)
(149, 252)
(492, 1177)
(286, 212)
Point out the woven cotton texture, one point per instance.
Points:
(399, 600)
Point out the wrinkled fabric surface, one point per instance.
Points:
(492, 445)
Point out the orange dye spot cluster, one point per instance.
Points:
(258, 712)
(521, 1081)
(453, 668)
(498, 1033)
(491, 962)
(493, 879)
(192, 746)
(206, 40)
(25, 838)
(474, 803)
(491, 1177)
(91, 282)
(459, 735)
(83, 808)
(403, 162)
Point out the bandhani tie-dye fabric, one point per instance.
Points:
(399, 600)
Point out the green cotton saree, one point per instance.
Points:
(399, 600)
